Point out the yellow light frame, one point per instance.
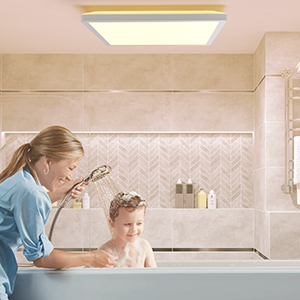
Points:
(155, 25)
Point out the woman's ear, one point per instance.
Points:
(47, 162)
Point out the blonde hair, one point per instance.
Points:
(130, 201)
(55, 142)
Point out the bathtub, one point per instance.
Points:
(207, 280)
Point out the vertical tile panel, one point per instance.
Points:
(235, 170)
(218, 170)
(183, 157)
(174, 163)
(142, 171)
(123, 163)
(206, 162)
(194, 161)
(223, 190)
(133, 157)
(247, 170)
(166, 184)
(154, 179)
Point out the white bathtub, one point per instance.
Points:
(182, 280)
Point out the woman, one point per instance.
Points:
(47, 161)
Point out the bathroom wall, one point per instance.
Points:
(276, 214)
(151, 163)
(153, 92)
(153, 95)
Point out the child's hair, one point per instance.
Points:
(130, 201)
(56, 142)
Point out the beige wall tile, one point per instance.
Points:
(1, 114)
(284, 233)
(275, 198)
(260, 105)
(158, 228)
(128, 71)
(262, 232)
(99, 230)
(275, 99)
(259, 156)
(42, 71)
(0, 72)
(275, 144)
(213, 71)
(259, 192)
(34, 112)
(221, 228)
(213, 112)
(68, 230)
(127, 112)
(259, 62)
(192, 228)
(282, 51)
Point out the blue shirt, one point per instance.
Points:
(24, 210)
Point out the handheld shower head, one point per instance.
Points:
(95, 175)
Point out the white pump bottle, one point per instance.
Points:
(211, 200)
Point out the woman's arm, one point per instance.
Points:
(61, 259)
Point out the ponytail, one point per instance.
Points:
(54, 142)
(19, 160)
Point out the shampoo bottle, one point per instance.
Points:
(86, 201)
(189, 196)
(202, 202)
(179, 194)
(211, 200)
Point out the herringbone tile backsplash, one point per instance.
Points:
(151, 163)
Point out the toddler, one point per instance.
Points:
(127, 213)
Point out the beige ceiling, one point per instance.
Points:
(54, 26)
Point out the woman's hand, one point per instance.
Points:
(102, 259)
(61, 259)
(63, 190)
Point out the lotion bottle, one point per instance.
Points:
(211, 200)
(202, 202)
(86, 203)
(77, 204)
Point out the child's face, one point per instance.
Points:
(129, 225)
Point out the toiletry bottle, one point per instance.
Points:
(179, 194)
(86, 201)
(211, 200)
(189, 195)
(202, 202)
(77, 204)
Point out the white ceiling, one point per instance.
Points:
(54, 26)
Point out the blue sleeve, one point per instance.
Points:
(31, 213)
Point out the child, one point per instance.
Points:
(127, 213)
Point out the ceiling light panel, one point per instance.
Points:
(154, 27)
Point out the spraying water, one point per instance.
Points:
(107, 189)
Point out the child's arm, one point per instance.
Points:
(150, 259)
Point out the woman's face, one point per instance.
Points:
(58, 173)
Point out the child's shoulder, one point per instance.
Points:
(106, 245)
(144, 242)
